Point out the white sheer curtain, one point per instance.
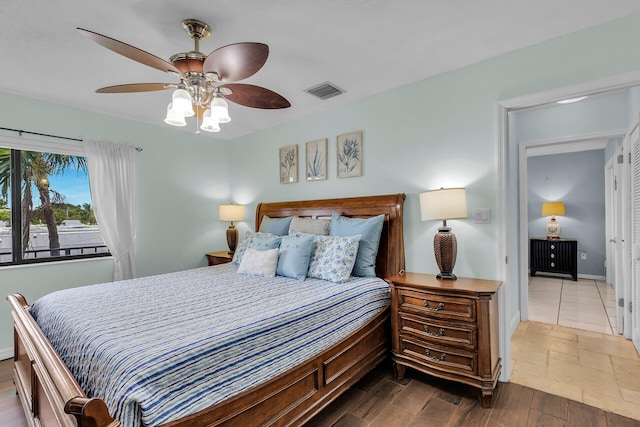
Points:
(112, 177)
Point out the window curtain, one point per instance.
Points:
(112, 178)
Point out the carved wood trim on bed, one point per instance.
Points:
(51, 396)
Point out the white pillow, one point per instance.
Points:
(259, 263)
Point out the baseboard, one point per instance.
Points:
(566, 276)
(6, 353)
(515, 321)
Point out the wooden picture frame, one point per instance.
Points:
(349, 154)
(316, 159)
(288, 164)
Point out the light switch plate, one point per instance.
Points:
(481, 216)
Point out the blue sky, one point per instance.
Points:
(73, 185)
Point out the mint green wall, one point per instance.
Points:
(434, 133)
(181, 179)
(438, 132)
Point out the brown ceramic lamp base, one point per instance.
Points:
(445, 248)
(232, 238)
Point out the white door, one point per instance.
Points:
(621, 207)
(611, 214)
(632, 307)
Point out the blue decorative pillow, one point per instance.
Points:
(295, 254)
(265, 243)
(369, 230)
(277, 226)
(248, 241)
(332, 257)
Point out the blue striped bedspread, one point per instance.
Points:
(159, 348)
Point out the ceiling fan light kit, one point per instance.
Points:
(203, 79)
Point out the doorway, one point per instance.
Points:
(511, 248)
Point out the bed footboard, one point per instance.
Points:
(49, 393)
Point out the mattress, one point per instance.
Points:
(159, 348)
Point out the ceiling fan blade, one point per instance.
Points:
(236, 61)
(130, 52)
(255, 97)
(136, 87)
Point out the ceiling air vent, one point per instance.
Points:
(325, 90)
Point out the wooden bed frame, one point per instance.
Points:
(51, 396)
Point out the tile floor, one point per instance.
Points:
(570, 346)
(583, 304)
(588, 367)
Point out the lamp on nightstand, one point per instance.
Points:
(232, 213)
(552, 209)
(444, 204)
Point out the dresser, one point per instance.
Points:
(447, 328)
(553, 256)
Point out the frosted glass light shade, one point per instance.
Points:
(182, 102)
(220, 110)
(445, 203)
(209, 124)
(174, 118)
(231, 212)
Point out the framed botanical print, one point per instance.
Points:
(289, 164)
(316, 159)
(349, 154)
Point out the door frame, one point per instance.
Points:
(570, 144)
(507, 231)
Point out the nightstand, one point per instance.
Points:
(554, 256)
(447, 328)
(221, 257)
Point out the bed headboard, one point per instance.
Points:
(390, 259)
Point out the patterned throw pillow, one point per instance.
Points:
(332, 257)
(249, 240)
(259, 263)
(310, 226)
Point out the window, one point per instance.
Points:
(45, 208)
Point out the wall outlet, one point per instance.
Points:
(583, 255)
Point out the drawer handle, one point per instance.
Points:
(434, 358)
(434, 334)
(438, 308)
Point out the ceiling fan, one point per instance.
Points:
(204, 81)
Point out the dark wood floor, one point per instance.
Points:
(418, 400)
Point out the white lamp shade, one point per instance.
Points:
(231, 213)
(209, 124)
(181, 100)
(220, 110)
(174, 118)
(445, 203)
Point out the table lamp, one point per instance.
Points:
(232, 213)
(552, 209)
(444, 204)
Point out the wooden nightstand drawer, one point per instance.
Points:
(440, 356)
(460, 335)
(438, 306)
(216, 258)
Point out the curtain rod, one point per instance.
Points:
(20, 132)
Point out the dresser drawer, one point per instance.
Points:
(438, 306)
(442, 357)
(458, 334)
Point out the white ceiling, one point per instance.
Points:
(363, 46)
